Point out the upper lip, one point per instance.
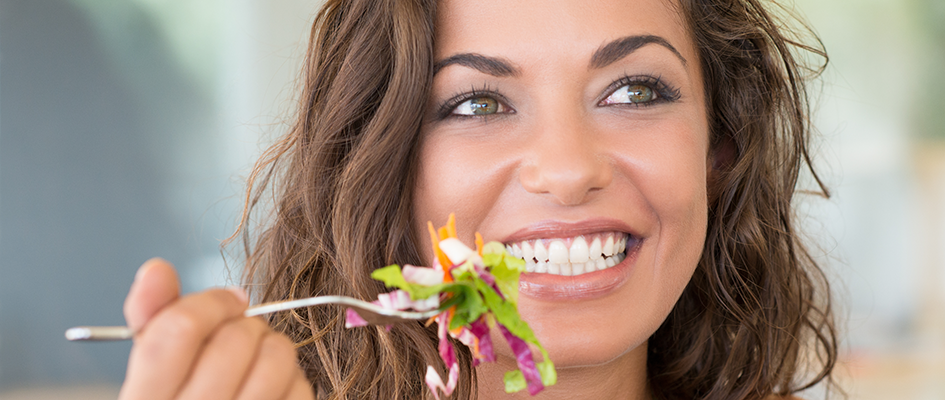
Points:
(549, 229)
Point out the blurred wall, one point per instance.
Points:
(125, 130)
(880, 114)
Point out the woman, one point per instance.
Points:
(677, 127)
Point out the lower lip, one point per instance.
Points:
(557, 288)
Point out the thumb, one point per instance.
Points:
(156, 285)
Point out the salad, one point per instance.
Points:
(477, 290)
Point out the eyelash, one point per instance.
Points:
(666, 92)
(446, 110)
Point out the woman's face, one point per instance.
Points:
(564, 128)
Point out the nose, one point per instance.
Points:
(566, 162)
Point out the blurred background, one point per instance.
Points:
(127, 128)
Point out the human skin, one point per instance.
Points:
(562, 157)
(201, 347)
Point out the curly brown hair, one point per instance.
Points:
(754, 315)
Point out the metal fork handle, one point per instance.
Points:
(276, 306)
(372, 313)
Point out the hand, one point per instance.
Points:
(200, 346)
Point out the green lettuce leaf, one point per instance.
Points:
(547, 370)
(393, 276)
(506, 313)
(515, 381)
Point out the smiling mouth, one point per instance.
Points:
(573, 256)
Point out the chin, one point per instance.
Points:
(591, 353)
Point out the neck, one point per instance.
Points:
(621, 378)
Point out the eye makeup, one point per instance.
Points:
(664, 91)
(447, 108)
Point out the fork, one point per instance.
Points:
(372, 313)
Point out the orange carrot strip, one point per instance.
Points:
(479, 244)
(451, 226)
(444, 260)
(440, 256)
(433, 237)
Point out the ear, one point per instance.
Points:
(721, 158)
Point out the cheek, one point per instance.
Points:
(664, 164)
(673, 182)
(455, 176)
(677, 193)
(429, 197)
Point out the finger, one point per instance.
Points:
(274, 370)
(301, 388)
(156, 284)
(166, 348)
(225, 360)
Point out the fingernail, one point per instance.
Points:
(141, 271)
(239, 293)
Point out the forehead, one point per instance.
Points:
(544, 28)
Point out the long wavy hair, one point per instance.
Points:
(333, 201)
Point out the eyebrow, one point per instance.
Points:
(488, 65)
(604, 56)
(620, 48)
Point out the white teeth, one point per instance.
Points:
(508, 249)
(578, 254)
(554, 269)
(608, 248)
(566, 269)
(540, 253)
(527, 252)
(595, 250)
(577, 269)
(557, 252)
(604, 251)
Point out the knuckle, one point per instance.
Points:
(167, 334)
(217, 302)
(258, 323)
(240, 332)
(217, 299)
(179, 326)
(279, 346)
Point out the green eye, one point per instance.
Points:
(478, 106)
(639, 94)
(632, 94)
